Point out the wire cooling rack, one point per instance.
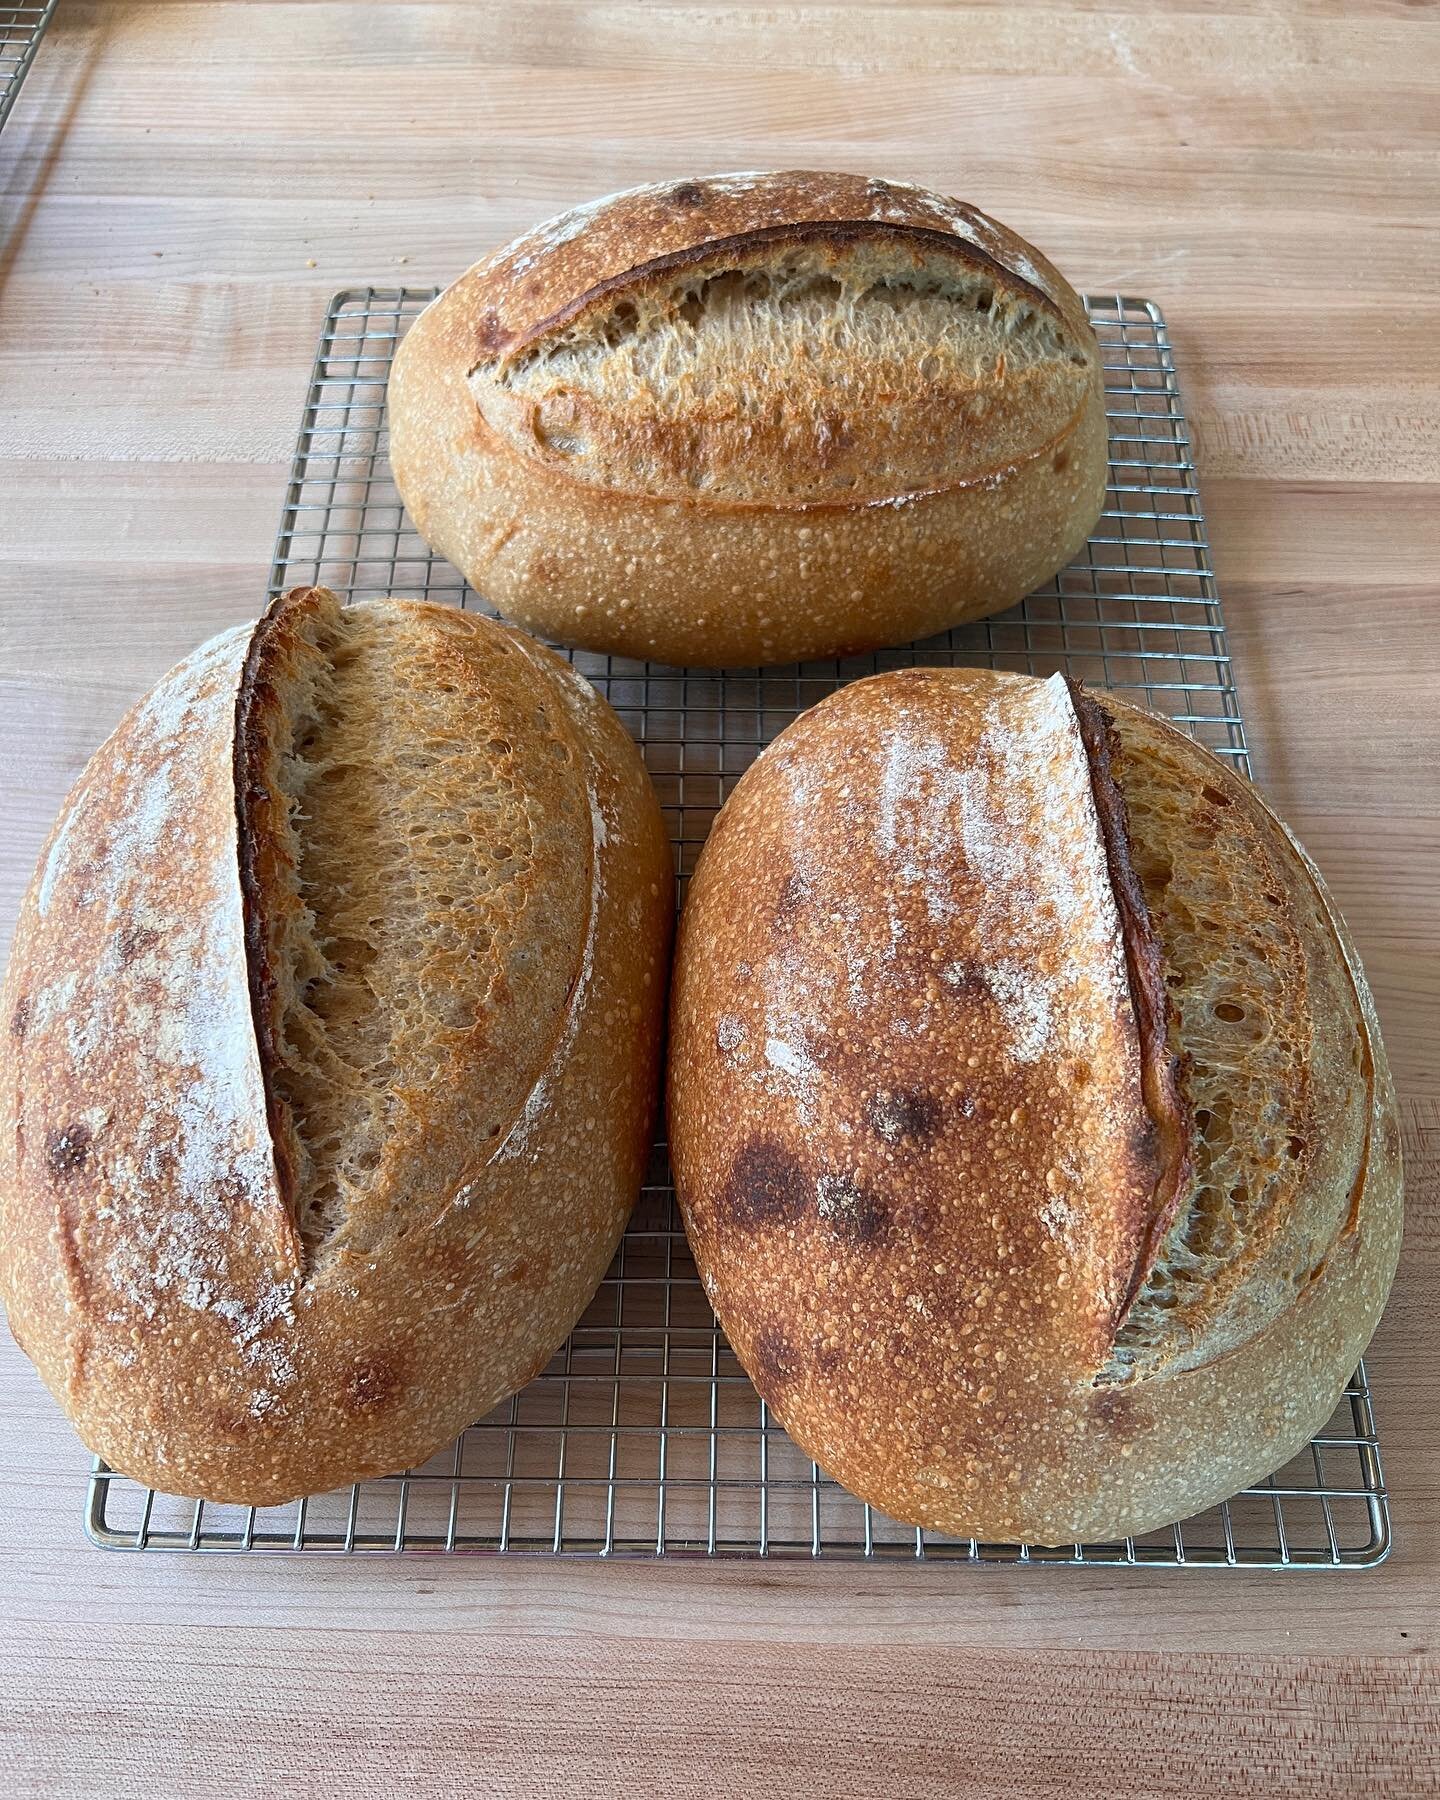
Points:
(644, 1437)
(21, 28)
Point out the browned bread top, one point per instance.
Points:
(1029, 1116)
(953, 961)
(333, 1022)
(753, 419)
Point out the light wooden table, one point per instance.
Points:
(181, 189)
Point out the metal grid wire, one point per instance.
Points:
(21, 28)
(644, 1437)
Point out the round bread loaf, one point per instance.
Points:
(1029, 1113)
(753, 418)
(331, 1040)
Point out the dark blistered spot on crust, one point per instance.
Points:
(490, 333)
(20, 1018)
(766, 1186)
(794, 892)
(1061, 462)
(902, 1114)
(689, 193)
(1121, 1414)
(774, 1362)
(132, 941)
(852, 1210)
(370, 1384)
(531, 1272)
(964, 981)
(67, 1151)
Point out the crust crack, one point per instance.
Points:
(837, 233)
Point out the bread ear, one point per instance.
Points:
(287, 691)
(1162, 1063)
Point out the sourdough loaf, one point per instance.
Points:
(1030, 1119)
(332, 1031)
(753, 418)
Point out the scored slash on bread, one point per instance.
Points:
(1030, 1121)
(1166, 1104)
(334, 1019)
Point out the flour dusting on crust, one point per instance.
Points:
(987, 837)
(985, 921)
(1028, 792)
(193, 1209)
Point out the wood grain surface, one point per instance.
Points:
(181, 189)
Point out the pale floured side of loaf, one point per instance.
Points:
(139, 1204)
(901, 1004)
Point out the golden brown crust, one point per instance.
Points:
(148, 1260)
(748, 513)
(918, 1214)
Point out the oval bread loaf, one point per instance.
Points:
(1029, 1113)
(753, 418)
(332, 1024)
